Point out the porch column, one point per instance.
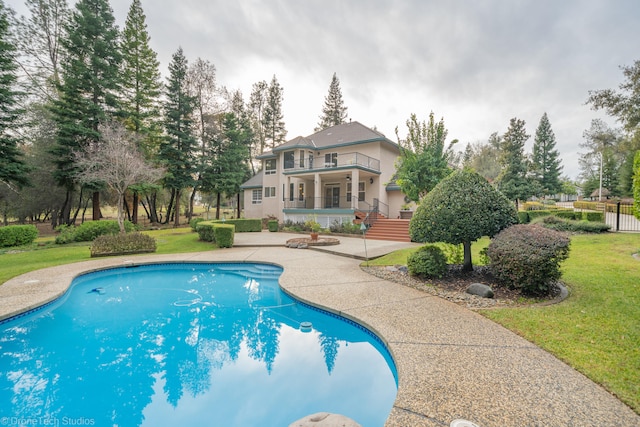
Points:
(317, 192)
(355, 179)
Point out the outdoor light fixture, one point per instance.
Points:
(370, 180)
(348, 178)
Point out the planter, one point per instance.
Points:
(406, 214)
(314, 236)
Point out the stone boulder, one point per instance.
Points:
(480, 290)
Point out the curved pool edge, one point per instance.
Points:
(441, 351)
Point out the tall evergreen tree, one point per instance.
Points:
(13, 170)
(513, 181)
(141, 89)
(546, 162)
(273, 118)
(334, 112)
(257, 103)
(177, 149)
(89, 88)
(231, 155)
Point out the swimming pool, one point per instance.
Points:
(188, 344)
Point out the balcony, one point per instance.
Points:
(333, 161)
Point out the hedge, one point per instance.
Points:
(212, 231)
(88, 231)
(593, 216)
(122, 244)
(243, 225)
(17, 235)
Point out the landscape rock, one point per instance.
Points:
(480, 290)
(302, 246)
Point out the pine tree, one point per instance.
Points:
(177, 149)
(334, 111)
(257, 102)
(89, 88)
(273, 118)
(141, 86)
(513, 181)
(546, 159)
(141, 89)
(13, 170)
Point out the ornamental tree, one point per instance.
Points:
(462, 208)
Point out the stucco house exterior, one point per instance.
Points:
(337, 174)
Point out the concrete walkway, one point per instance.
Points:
(452, 363)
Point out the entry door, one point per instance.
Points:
(332, 196)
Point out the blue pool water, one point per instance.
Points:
(189, 345)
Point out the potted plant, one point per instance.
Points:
(315, 227)
(406, 211)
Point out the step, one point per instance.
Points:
(390, 229)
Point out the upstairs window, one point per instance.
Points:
(331, 160)
(289, 159)
(270, 167)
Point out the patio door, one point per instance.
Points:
(332, 196)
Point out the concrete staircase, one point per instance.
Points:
(389, 229)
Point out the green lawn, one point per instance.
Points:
(597, 329)
(16, 261)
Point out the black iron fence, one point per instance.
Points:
(617, 214)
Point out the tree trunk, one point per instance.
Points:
(191, 199)
(467, 265)
(238, 214)
(170, 206)
(134, 208)
(96, 206)
(218, 205)
(121, 213)
(153, 210)
(176, 222)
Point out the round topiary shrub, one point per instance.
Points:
(428, 261)
(528, 257)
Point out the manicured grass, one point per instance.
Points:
(400, 257)
(597, 329)
(16, 261)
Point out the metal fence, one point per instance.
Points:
(619, 215)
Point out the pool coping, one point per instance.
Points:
(452, 363)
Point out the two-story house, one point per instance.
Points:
(337, 174)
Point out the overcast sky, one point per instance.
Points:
(477, 64)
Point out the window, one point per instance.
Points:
(270, 166)
(361, 191)
(291, 187)
(289, 159)
(301, 159)
(256, 197)
(331, 160)
(269, 191)
(301, 192)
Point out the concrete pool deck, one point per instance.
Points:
(452, 363)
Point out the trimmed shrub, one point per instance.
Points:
(528, 257)
(88, 231)
(272, 225)
(593, 216)
(523, 217)
(194, 223)
(121, 244)
(567, 214)
(223, 235)
(205, 231)
(429, 261)
(216, 232)
(533, 206)
(17, 235)
(561, 224)
(243, 225)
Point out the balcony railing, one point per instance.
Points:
(327, 203)
(335, 161)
